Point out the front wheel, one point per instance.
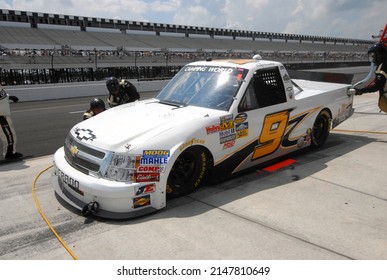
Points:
(321, 128)
(187, 172)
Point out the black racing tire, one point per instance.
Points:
(188, 172)
(321, 129)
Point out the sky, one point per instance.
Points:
(355, 19)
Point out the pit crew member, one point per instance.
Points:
(121, 92)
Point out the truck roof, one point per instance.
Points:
(245, 63)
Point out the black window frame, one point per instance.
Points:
(266, 88)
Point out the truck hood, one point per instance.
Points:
(135, 123)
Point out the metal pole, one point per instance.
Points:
(95, 60)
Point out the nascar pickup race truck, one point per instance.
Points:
(214, 118)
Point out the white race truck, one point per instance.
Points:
(213, 117)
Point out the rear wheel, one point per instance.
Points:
(321, 128)
(187, 173)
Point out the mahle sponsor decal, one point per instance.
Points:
(153, 160)
(154, 157)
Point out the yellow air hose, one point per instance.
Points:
(45, 218)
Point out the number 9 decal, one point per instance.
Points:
(273, 129)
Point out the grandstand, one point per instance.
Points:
(33, 41)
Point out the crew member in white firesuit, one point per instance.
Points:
(96, 106)
(7, 131)
(121, 92)
(378, 55)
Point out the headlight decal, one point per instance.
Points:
(121, 167)
(120, 174)
(135, 168)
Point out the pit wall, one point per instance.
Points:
(37, 92)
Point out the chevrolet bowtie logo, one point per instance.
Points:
(74, 151)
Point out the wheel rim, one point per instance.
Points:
(320, 130)
(184, 168)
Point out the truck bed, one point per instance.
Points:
(311, 88)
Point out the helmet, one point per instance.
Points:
(378, 53)
(97, 103)
(112, 84)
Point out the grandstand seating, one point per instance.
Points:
(35, 40)
(29, 39)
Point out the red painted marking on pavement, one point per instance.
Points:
(279, 165)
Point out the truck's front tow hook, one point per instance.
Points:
(90, 208)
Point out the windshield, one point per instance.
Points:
(204, 86)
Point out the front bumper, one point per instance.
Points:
(116, 200)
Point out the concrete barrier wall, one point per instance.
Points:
(70, 90)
